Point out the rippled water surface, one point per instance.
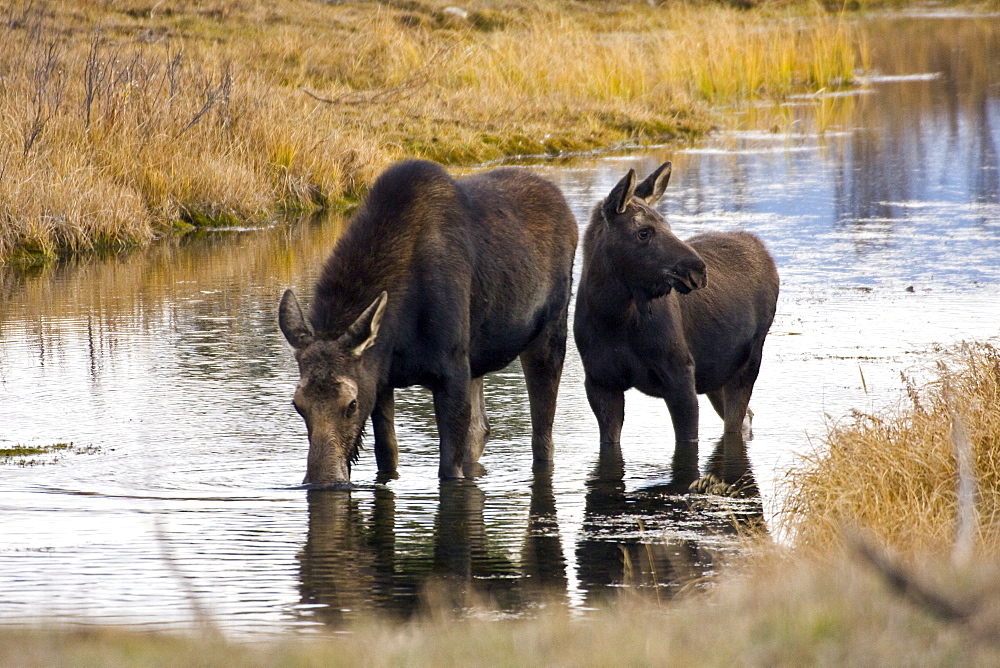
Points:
(166, 371)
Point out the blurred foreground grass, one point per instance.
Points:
(795, 614)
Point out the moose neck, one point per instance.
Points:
(608, 296)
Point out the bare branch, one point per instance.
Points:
(904, 582)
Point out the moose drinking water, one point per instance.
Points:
(671, 318)
(436, 282)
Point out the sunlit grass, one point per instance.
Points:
(119, 119)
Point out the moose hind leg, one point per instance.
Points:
(386, 446)
(609, 409)
(479, 422)
(737, 402)
(737, 395)
(542, 363)
(718, 399)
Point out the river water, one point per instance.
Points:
(178, 504)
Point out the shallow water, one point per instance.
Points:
(179, 503)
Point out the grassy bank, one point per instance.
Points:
(904, 595)
(125, 121)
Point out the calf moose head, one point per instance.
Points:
(336, 390)
(649, 257)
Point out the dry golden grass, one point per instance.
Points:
(896, 474)
(123, 121)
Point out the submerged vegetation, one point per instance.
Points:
(130, 120)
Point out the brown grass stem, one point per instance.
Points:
(906, 583)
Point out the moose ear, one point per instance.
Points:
(620, 195)
(295, 328)
(361, 335)
(652, 187)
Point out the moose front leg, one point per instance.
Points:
(682, 402)
(383, 424)
(609, 408)
(453, 410)
(479, 422)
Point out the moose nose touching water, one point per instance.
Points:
(436, 282)
(671, 318)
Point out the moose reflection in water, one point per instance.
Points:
(659, 536)
(673, 319)
(359, 559)
(353, 563)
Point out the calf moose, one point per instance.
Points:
(671, 318)
(436, 282)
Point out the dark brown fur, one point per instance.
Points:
(436, 282)
(670, 318)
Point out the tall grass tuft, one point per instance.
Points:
(896, 474)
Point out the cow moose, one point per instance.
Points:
(671, 318)
(436, 282)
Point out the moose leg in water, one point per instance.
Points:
(609, 409)
(682, 402)
(542, 364)
(479, 422)
(384, 426)
(453, 411)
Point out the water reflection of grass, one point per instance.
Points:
(172, 271)
(123, 122)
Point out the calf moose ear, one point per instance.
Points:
(652, 187)
(620, 195)
(361, 335)
(295, 328)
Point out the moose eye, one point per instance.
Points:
(351, 407)
(643, 234)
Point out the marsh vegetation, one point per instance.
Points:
(127, 121)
